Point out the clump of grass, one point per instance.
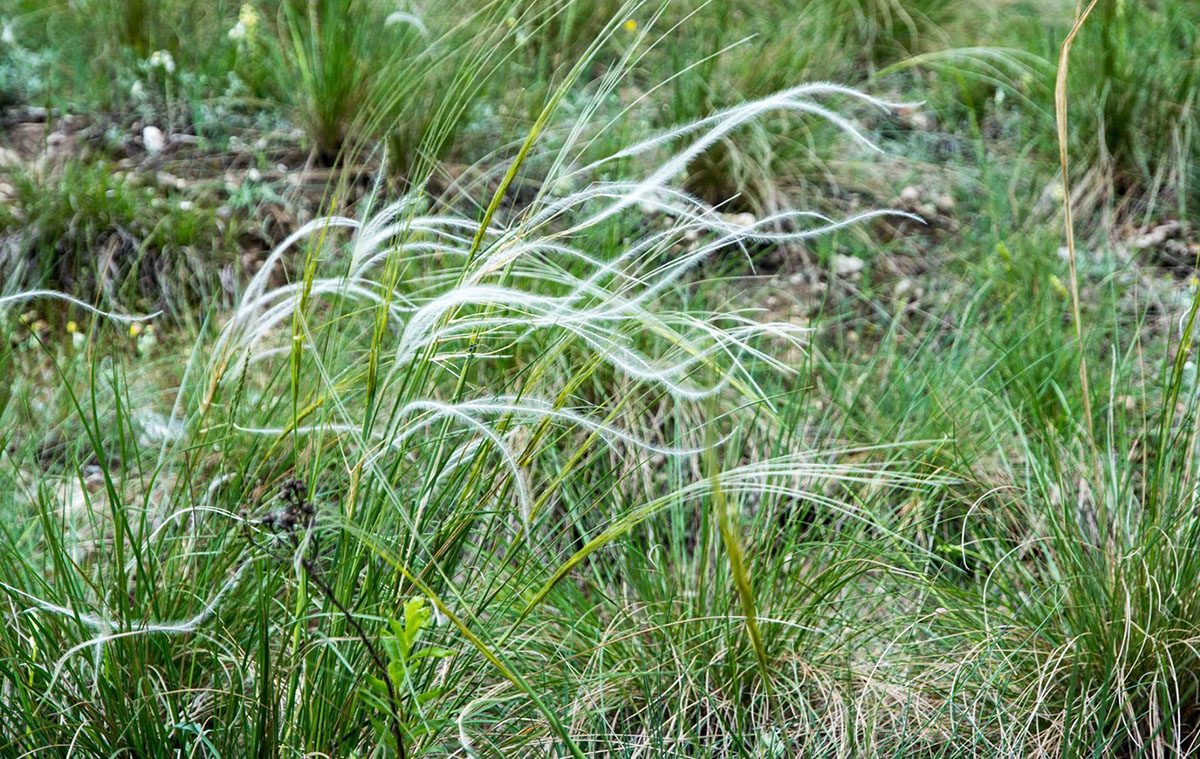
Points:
(361, 71)
(462, 411)
(84, 228)
(1089, 608)
(332, 50)
(1133, 97)
(893, 29)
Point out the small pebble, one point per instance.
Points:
(154, 139)
(844, 266)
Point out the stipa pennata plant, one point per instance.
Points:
(496, 290)
(434, 340)
(474, 409)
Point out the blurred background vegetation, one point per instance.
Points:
(227, 85)
(239, 106)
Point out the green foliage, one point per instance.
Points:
(84, 227)
(1091, 597)
(6, 370)
(22, 70)
(1135, 71)
(1135, 100)
(404, 658)
(332, 50)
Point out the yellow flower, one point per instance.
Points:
(631, 25)
(247, 23)
(510, 22)
(248, 17)
(72, 327)
(135, 329)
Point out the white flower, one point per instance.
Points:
(163, 60)
(238, 32)
(7, 36)
(138, 91)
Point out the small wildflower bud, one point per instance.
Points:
(161, 59)
(135, 329)
(7, 36)
(631, 25)
(1059, 287)
(247, 24)
(72, 327)
(248, 17)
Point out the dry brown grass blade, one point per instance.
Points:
(1060, 115)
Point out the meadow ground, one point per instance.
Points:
(587, 378)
